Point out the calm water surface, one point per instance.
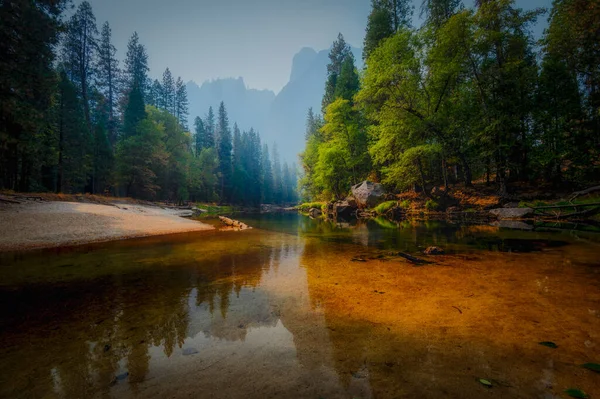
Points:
(282, 311)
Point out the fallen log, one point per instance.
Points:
(233, 223)
(8, 200)
(410, 258)
(584, 192)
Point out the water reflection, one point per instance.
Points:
(286, 313)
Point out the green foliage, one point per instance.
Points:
(305, 207)
(576, 393)
(405, 204)
(385, 206)
(549, 344)
(592, 366)
(431, 205)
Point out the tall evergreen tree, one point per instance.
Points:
(29, 32)
(267, 176)
(348, 82)
(338, 53)
(379, 27)
(224, 147)
(107, 67)
(210, 128)
(136, 65)
(155, 94)
(78, 54)
(168, 91)
(277, 177)
(199, 135)
(135, 112)
(73, 164)
(181, 102)
(438, 12)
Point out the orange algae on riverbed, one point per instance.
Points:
(265, 314)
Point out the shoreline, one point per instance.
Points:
(53, 224)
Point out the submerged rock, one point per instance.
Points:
(512, 213)
(189, 351)
(368, 194)
(433, 251)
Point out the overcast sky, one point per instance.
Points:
(256, 39)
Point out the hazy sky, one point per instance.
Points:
(255, 39)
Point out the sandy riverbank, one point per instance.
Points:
(53, 224)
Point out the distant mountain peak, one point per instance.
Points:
(302, 61)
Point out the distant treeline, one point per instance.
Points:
(73, 120)
(470, 95)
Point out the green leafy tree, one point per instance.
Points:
(139, 157)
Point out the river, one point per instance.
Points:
(305, 308)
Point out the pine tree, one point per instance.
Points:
(224, 147)
(338, 53)
(29, 32)
(79, 52)
(438, 12)
(286, 187)
(135, 112)
(209, 125)
(348, 81)
(277, 177)
(267, 176)
(379, 27)
(73, 164)
(107, 77)
(168, 91)
(155, 94)
(181, 103)
(199, 135)
(136, 65)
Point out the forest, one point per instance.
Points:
(469, 96)
(75, 120)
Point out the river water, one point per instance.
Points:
(304, 308)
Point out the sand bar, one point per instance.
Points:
(54, 224)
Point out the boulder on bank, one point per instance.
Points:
(512, 213)
(314, 212)
(368, 194)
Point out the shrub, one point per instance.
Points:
(431, 205)
(385, 206)
(308, 205)
(405, 204)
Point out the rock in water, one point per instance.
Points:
(189, 351)
(512, 213)
(343, 209)
(434, 251)
(314, 212)
(368, 194)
